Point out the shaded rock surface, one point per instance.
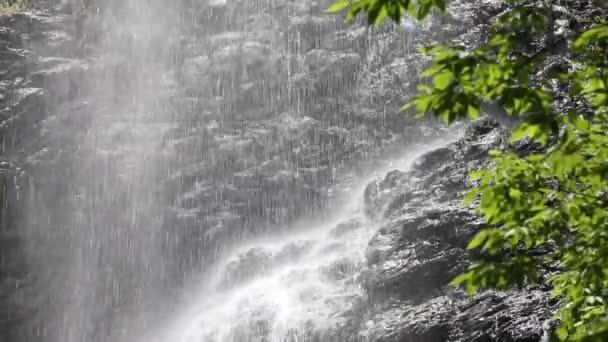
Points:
(236, 120)
(422, 247)
(24, 104)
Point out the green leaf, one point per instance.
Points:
(581, 124)
(597, 34)
(495, 153)
(442, 80)
(562, 333)
(338, 6)
(424, 9)
(479, 239)
(528, 130)
(473, 112)
(440, 4)
(515, 193)
(470, 197)
(460, 279)
(476, 175)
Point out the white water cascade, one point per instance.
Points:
(192, 173)
(300, 286)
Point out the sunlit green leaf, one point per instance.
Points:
(338, 6)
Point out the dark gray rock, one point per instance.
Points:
(422, 247)
(346, 227)
(23, 109)
(258, 261)
(269, 101)
(402, 322)
(512, 316)
(60, 78)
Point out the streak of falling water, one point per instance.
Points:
(304, 286)
(95, 233)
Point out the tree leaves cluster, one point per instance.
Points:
(10, 7)
(555, 201)
(378, 10)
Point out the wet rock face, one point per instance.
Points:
(236, 119)
(273, 84)
(51, 155)
(259, 106)
(23, 107)
(274, 100)
(257, 262)
(422, 247)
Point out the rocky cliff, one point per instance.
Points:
(35, 49)
(234, 119)
(422, 247)
(252, 109)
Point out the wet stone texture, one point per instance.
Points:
(23, 106)
(275, 101)
(183, 127)
(199, 132)
(422, 247)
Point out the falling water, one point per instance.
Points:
(302, 286)
(186, 181)
(94, 231)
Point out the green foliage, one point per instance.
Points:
(378, 10)
(546, 210)
(11, 6)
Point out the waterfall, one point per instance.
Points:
(94, 217)
(195, 176)
(216, 171)
(301, 286)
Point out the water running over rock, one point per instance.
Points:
(186, 171)
(304, 286)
